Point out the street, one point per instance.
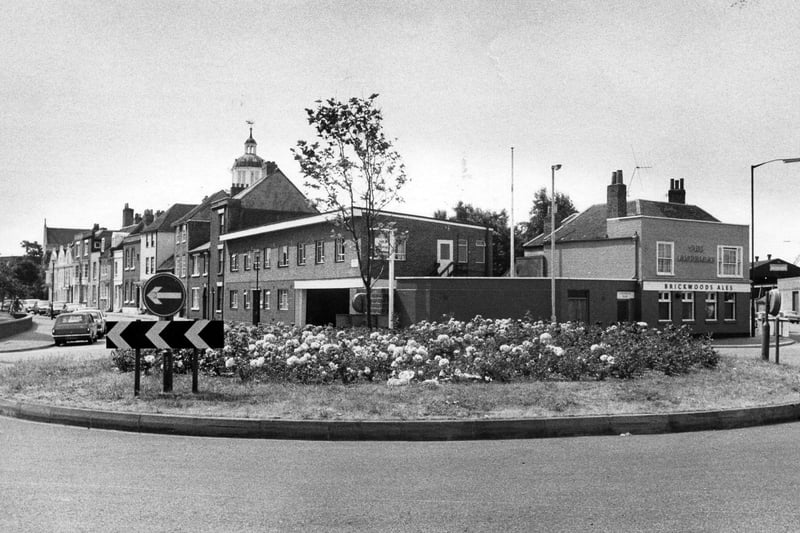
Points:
(57, 478)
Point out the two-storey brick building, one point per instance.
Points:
(689, 267)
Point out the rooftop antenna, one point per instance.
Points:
(250, 123)
(637, 166)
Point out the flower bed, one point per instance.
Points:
(478, 350)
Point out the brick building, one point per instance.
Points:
(689, 267)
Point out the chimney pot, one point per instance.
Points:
(676, 194)
(616, 197)
(769, 257)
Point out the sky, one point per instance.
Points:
(146, 103)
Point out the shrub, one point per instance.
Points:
(479, 350)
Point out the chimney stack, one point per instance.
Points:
(148, 217)
(127, 216)
(677, 194)
(617, 197)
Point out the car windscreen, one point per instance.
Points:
(71, 319)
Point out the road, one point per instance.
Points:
(59, 478)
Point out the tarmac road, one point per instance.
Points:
(58, 478)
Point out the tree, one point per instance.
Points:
(540, 213)
(33, 250)
(495, 220)
(355, 173)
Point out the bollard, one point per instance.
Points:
(765, 339)
(777, 340)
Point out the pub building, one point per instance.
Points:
(689, 266)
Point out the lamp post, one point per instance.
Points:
(553, 242)
(753, 232)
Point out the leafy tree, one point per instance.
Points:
(355, 172)
(540, 212)
(33, 250)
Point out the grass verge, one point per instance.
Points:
(736, 383)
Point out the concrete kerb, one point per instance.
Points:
(421, 430)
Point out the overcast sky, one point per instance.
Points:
(105, 103)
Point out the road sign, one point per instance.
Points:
(163, 294)
(166, 335)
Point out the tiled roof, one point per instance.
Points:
(203, 210)
(591, 223)
(163, 222)
(59, 236)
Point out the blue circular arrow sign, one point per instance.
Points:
(163, 294)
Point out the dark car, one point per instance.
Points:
(78, 326)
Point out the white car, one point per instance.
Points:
(99, 318)
(790, 316)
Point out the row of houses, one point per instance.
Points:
(259, 252)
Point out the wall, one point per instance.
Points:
(14, 326)
(431, 298)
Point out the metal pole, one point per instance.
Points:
(137, 370)
(512, 266)
(777, 340)
(752, 253)
(553, 243)
(392, 244)
(194, 371)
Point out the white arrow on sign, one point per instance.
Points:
(154, 334)
(194, 334)
(156, 295)
(114, 335)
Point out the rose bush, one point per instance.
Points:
(480, 349)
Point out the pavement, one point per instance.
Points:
(12, 349)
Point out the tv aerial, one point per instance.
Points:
(637, 167)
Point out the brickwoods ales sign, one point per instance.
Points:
(691, 286)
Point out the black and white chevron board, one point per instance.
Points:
(166, 334)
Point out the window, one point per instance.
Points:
(283, 299)
(283, 258)
(204, 259)
(246, 261)
(234, 262)
(664, 258)
(177, 235)
(729, 261)
(218, 308)
(301, 254)
(195, 298)
(711, 306)
(183, 233)
(256, 260)
(319, 252)
(195, 265)
(729, 305)
(480, 251)
(234, 299)
(664, 306)
(339, 250)
(687, 306)
(220, 262)
(463, 251)
(184, 261)
(265, 296)
(246, 298)
(221, 215)
(400, 248)
(267, 257)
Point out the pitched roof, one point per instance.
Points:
(163, 222)
(591, 223)
(59, 236)
(201, 211)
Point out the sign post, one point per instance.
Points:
(164, 297)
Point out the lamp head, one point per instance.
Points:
(556, 167)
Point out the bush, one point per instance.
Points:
(477, 350)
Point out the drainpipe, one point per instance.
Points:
(637, 275)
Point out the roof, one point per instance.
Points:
(163, 222)
(61, 236)
(591, 224)
(168, 265)
(202, 211)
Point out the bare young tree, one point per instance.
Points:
(355, 173)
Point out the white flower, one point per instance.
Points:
(293, 360)
(367, 370)
(406, 374)
(545, 338)
(443, 362)
(230, 362)
(150, 359)
(418, 358)
(604, 358)
(505, 348)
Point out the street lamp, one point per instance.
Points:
(753, 232)
(553, 243)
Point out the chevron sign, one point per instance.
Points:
(166, 334)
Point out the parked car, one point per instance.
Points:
(28, 304)
(75, 326)
(41, 307)
(790, 316)
(100, 318)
